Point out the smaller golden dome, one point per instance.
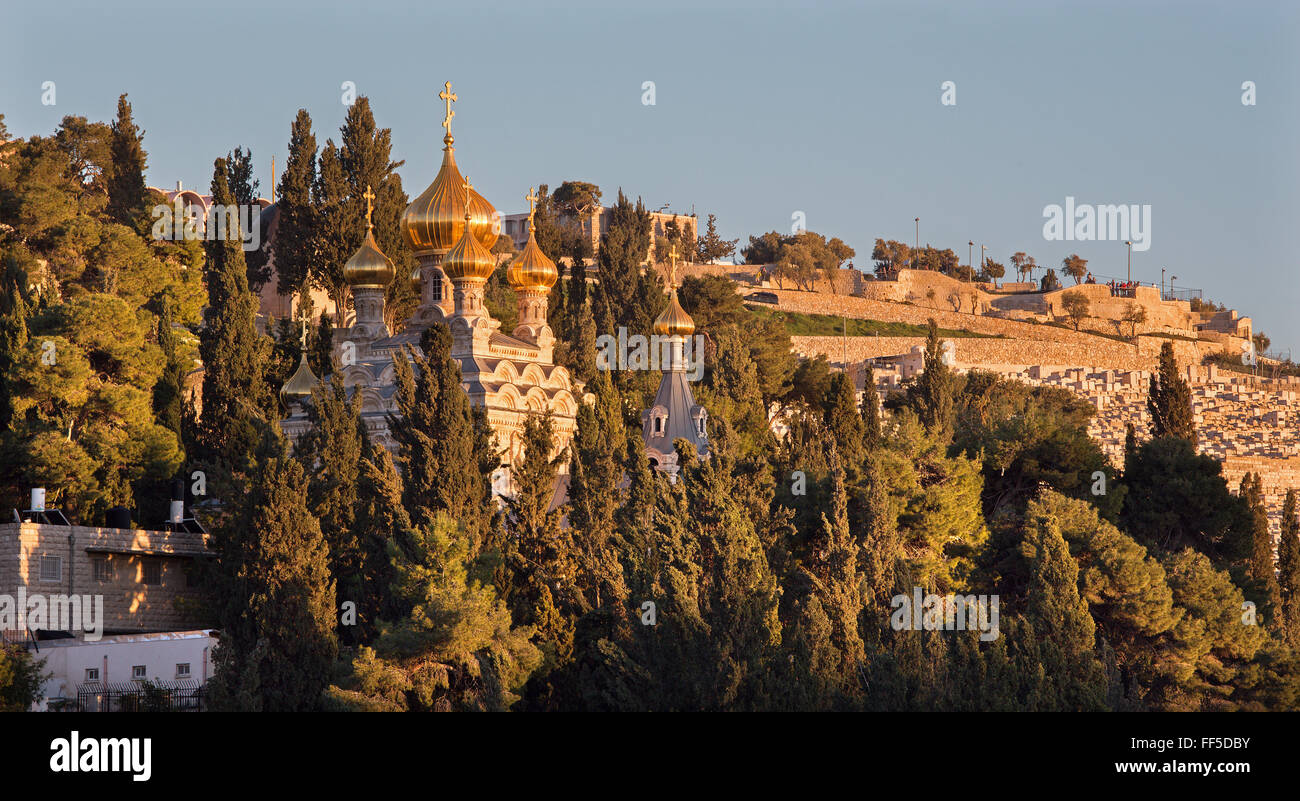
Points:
(301, 383)
(532, 270)
(417, 277)
(369, 266)
(468, 260)
(674, 321)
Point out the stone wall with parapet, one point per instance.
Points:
(865, 308)
(1107, 309)
(994, 354)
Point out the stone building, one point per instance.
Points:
(595, 220)
(141, 574)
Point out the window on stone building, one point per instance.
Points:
(51, 568)
(103, 568)
(92, 674)
(182, 670)
(151, 571)
(139, 672)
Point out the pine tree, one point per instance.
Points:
(1288, 558)
(276, 599)
(295, 237)
(125, 174)
(236, 399)
(457, 649)
(1170, 400)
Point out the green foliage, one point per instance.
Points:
(21, 678)
(1170, 400)
(125, 184)
(458, 649)
(277, 598)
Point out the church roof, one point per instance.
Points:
(675, 398)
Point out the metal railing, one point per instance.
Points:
(182, 695)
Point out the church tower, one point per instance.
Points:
(368, 272)
(675, 414)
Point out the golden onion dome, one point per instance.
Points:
(417, 276)
(674, 321)
(300, 384)
(369, 266)
(435, 220)
(468, 259)
(532, 270)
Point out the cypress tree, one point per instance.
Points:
(1261, 569)
(541, 555)
(236, 399)
(167, 392)
(239, 174)
(125, 173)
(1060, 649)
(871, 435)
(441, 440)
(595, 468)
(332, 243)
(332, 449)
(623, 249)
(295, 238)
(933, 393)
(379, 521)
(365, 152)
(13, 341)
(320, 347)
(277, 599)
(1288, 558)
(844, 423)
(1170, 400)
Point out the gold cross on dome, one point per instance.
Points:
(449, 97)
(369, 196)
(304, 331)
(672, 255)
(531, 198)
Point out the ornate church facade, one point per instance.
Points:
(451, 228)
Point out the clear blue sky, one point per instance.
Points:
(762, 109)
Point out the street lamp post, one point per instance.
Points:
(970, 266)
(917, 246)
(1162, 284)
(984, 263)
(1130, 263)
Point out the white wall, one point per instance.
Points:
(67, 660)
